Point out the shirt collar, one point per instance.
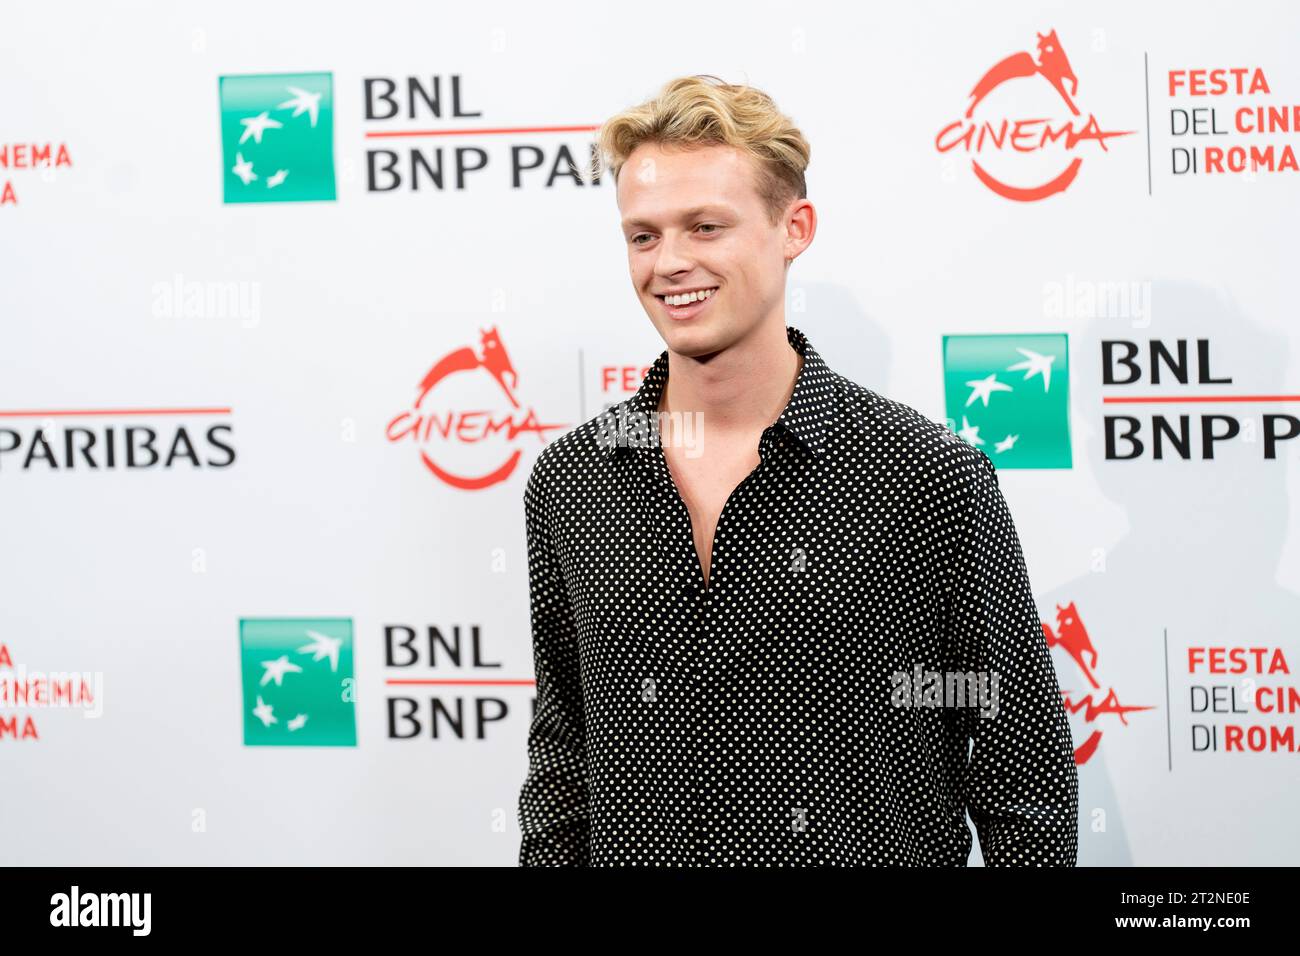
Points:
(809, 415)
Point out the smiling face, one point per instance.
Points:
(693, 220)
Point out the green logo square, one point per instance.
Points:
(1009, 395)
(299, 689)
(277, 137)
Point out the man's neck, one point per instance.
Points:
(743, 388)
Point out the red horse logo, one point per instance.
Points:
(1052, 65)
(1026, 135)
(493, 359)
(1072, 637)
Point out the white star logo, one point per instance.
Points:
(1006, 444)
(322, 645)
(982, 388)
(1035, 364)
(276, 669)
(243, 169)
(264, 712)
(257, 125)
(297, 722)
(302, 102)
(278, 178)
(970, 432)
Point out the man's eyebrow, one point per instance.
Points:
(685, 214)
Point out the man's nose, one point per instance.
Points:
(672, 256)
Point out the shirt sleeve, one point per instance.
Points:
(1021, 783)
(553, 802)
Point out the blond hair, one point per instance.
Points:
(703, 110)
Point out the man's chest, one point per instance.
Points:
(800, 550)
(823, 587)
(705, 485)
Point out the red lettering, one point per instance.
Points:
(1216, 82)
(1258, 739)
(9, 728)
(1236, 660)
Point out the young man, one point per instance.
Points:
(771, 608)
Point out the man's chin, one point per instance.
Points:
(694, 340)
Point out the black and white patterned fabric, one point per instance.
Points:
(802, 709)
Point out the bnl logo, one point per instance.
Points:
(277, 137)
(299, 688)
(1009, 396)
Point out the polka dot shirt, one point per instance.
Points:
(864, 667)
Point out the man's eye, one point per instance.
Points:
(640, 235)
(709, 225)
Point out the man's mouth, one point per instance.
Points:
(688, 304)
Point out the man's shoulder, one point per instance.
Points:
(578, 454)
(895, 435)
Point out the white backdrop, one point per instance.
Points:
(134, 295)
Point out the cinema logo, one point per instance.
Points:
(489, 435)
(1018, 141)
(1182, 435)
(401, 110)
(1071, 636)
(100, 439)
(47, 157)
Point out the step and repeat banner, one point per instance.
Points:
(294, 294)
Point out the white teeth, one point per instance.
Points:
(689, 297)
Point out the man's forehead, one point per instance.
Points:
(676, 156)
(682, 182)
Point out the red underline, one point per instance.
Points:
(1120, 400)
(51, 412)
(459, 683)
(484, 132)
